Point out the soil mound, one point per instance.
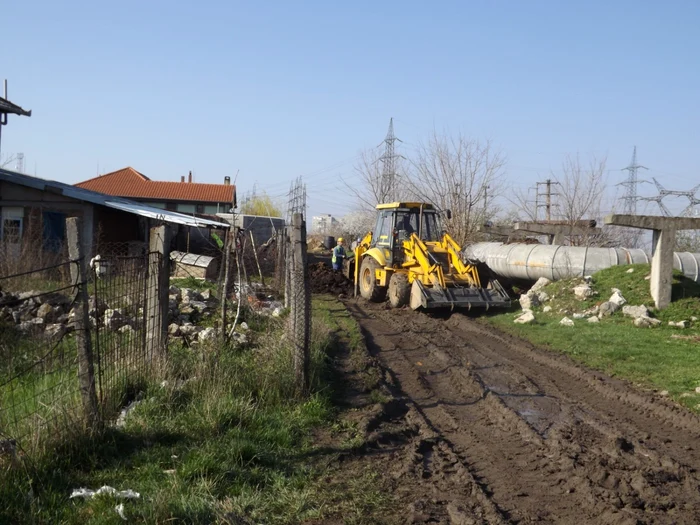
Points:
(324, 280)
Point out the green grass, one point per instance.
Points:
(649, 357)
(195, 284)
(227, 435)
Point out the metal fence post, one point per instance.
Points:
(300, 304)
(86, 368)
(157, 292)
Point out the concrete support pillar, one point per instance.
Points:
(662, 266)
(663, 240)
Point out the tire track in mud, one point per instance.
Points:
(544, 440)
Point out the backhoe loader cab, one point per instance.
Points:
(410, 259)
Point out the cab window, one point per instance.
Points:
(382, 231)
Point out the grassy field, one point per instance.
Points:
(663, 357)
(225, 436)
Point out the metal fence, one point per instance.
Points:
(42, 342)
(39, 390)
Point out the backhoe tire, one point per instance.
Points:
(399, 290)
(369, 289)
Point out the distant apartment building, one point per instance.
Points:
(183, 197)
(323, 224)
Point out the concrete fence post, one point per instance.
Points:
(288, 265)
(86, 368)
(300, 315)
(157, 291)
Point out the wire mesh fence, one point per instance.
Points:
(44, 335)
(39, 390)
(118, 315)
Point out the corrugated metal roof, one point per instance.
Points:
(93, 197)
(130, 183)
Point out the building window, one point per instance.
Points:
(171, 206)
(199, 208)
(11, 230)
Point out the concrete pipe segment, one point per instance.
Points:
(532, 261)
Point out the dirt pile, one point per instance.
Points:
(324, 280)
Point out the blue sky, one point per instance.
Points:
(274, 90)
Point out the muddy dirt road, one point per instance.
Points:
(508, 433)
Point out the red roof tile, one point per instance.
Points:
(129, 183)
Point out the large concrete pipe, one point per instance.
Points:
(532, 261)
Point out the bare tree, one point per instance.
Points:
(459, 174)
(372, 188)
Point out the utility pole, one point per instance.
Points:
(548, 197)
(388, 180)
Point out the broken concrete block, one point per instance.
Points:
(583, 291)
(646, 322)
(617, 297)
(593, 320)
(566, 322)
(528, 301)
(541, 283)
(635, 311)
(607, 308)
(679, 324)
(527, 318)
(547, 309)
(579, 316)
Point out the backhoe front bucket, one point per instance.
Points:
(434, 297)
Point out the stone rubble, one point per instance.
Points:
(566, 322)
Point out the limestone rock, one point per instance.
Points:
(583, 291)
(646, 322)
(541, 283)
(679, 324)
(579, 316)
(631, 270)
(593, 320)
(114, 319)
(528, 301)
(208, 334)
(126, 329)
(635, 311)
(190, 329)
(187, 295)
(55, 331)
(46, 312)
(526, 318)
(174, 329)
(617, 297)
(566, 322)
(547, 309)
(607, 308)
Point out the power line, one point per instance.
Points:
(630, 199)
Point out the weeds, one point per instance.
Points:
(224, 436)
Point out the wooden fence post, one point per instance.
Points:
(78, 273)
(157, 291)
(300, 301)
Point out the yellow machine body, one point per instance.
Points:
(408, 256)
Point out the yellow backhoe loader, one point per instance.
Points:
(410, 259)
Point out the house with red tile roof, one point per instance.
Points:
(183, 197)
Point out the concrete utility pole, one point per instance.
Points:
(548, 197)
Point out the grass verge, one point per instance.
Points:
(663, 358)
(225, 439)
